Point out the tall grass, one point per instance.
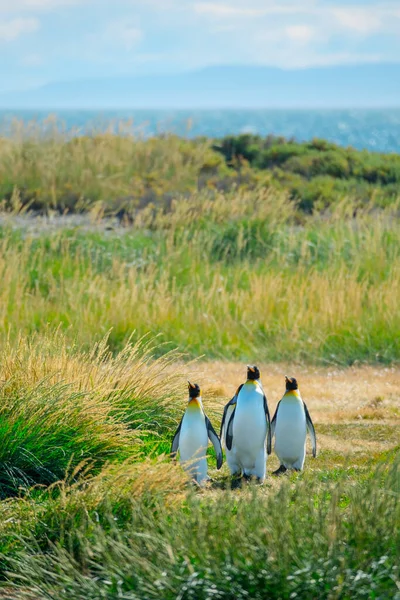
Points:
(237, 277)
(45, 167)
(62, 406)
(42, 167)
(300, 541)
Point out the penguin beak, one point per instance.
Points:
(286, 378)
(191, 385)
(251, 369)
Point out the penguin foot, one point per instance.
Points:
(282, 469)
(236, 481)
(236, 475)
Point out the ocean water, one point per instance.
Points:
(376, 130)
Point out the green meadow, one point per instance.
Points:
(229, 278)
(190, 259)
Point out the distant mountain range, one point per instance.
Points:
(362, 86)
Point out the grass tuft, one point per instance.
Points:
(61, 405)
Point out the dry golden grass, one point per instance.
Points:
(215, 279)
(43, 168)
(51, 356)
(302, 312)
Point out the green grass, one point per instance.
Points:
(302, 539)
(92, 507)
(256, 261)
(231, 271)
(62, 407)
(223, 284)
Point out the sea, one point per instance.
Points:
(375, 130)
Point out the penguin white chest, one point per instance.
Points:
(193, 438)
(290, 429)
(249, 426)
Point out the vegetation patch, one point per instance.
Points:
(245, 249)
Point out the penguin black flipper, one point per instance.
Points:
(175, 441)
(230, 403)
(268, 417)
(273, 422)
(214, 439)
(226, 407)
(229, 431)
(311, 430)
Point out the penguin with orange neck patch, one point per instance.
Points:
(246, 427)
(191, 438)
(289, 425)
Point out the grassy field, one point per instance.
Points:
(122, 522)
(212, 263)
(238, 287)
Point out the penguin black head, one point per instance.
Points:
(253, 372)
(194, 390)
(291, 383)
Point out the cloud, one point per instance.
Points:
(302, 34)
(159, 4)
(331, 59)
(363, 19)
(357, 19)
(215, 9)
(297, 34)
(123, 33)
(367, 20)
(118, 36)
(18, 6)
(171, 35)
(13, 29)
(254, 10)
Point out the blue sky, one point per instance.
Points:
(56, 40)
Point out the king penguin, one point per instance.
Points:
(289, 425)
(246, 427)
(191, 438)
